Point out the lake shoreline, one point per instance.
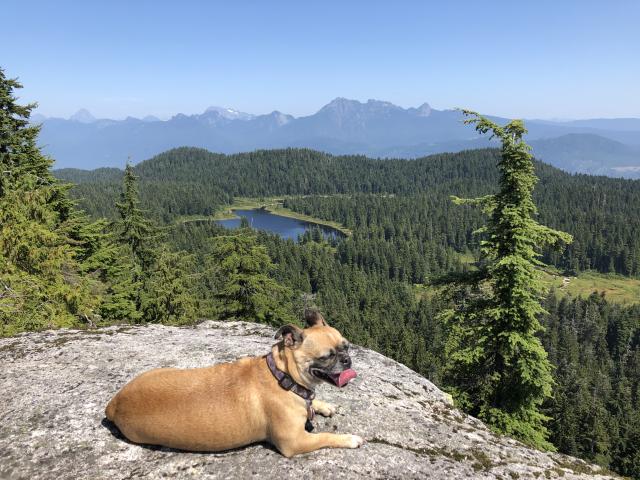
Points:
(272, 206)
(285, 227)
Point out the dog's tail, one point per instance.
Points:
(110, 411)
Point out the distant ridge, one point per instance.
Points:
(343, 126)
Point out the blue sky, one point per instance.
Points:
(538, 59)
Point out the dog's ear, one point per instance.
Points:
(313, 317)
(292, 335)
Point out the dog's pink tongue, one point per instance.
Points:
(345, 377)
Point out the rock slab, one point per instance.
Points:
(54, 386)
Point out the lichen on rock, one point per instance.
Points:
(55, 385)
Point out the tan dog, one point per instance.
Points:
(234, 404)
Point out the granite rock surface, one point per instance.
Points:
(54, 386)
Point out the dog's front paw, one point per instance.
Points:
(355, 441)
(323, 408)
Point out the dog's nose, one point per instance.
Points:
(346, 361)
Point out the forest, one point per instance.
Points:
(111, 249)
(396, 195)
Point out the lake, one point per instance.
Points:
(285, 227)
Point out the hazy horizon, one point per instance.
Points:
(547, 60)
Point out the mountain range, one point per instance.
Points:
(373, 128)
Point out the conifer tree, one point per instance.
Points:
(40, 281)
(111, 262)
(135, 250)
(496, 362)
(240, 268)
(134, 229)
(155, 281)
(167, 295)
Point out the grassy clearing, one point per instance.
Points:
(270, 204)
(617, 288)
